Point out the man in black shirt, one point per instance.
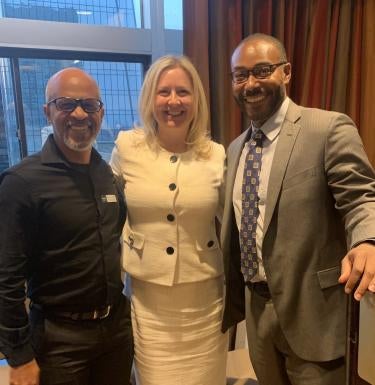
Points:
(61, 218)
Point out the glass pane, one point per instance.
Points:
(124, 13)
(173, 14)
(119, 82)
(9, 145)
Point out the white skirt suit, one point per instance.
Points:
(171, 252)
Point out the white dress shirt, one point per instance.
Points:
(271, 129)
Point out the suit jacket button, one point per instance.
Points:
(170, 217)
(170, 250)
(210, 243)
(172, 186)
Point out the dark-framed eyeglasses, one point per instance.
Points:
(67, 104)
(261, 71)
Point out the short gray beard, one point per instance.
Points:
(80, 147)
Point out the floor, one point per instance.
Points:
(239, 370)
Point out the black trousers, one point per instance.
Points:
(93, 352)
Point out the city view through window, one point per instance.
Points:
(23, 75)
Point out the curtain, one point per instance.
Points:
(212, 29)
(323, 41)
(196, 38)
(366, 108)
(330, 44)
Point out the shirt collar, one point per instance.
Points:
(50, 154)
(271, 128)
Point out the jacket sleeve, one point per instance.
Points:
(15, 234)
(351, 179)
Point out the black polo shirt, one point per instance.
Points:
(60, 226)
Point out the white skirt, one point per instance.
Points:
(177, 333)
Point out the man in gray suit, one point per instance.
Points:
(300, 193)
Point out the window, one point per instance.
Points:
(83, 34)
(173, 14)
(124, 13)
(120, 83)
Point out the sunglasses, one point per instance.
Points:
(262, 71)
(69, 104)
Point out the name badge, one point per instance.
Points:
(109, 198)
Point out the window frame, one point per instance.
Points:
(25, 38)
(14, 54)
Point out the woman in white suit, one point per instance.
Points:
(173, 176)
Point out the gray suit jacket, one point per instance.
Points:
(321, 201)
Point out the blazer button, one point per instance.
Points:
(210, 243)
(170, 217)
(172, 186)
(173, 159)
(170, 250)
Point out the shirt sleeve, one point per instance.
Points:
(16, 228)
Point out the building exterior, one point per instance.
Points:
(112, 40)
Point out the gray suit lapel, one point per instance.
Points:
(285, 144)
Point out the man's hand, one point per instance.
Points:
(358, 265)
(27, 374)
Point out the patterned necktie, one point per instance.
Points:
(250, 186)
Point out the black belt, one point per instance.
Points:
(261, 288)
(96, 314)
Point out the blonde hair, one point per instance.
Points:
(198, 137)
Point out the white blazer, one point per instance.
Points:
(169, 236)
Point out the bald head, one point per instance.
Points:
(260, 75)
(263, 39)
(72, 76)
(74, 109)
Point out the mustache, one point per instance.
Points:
(70, 123)
(252, 92)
